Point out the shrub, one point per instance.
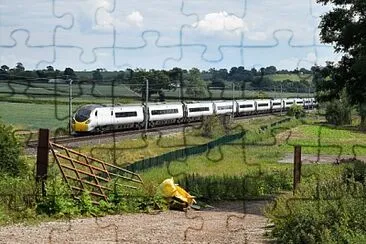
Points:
(296, 111)
(210, 125)
(10, 148)
(338, 112)
(333, 211)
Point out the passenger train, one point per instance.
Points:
(99, 118)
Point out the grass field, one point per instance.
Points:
(34, 116)
(292, 77)
(330, 139)
(242, 158)
(128, 151)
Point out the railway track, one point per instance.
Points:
(32, 143)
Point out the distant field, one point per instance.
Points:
(293, 77)
(61, 91)
(34, 116)
(329, 140)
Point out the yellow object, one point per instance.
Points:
(169, 190)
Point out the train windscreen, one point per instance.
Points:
(84, 113)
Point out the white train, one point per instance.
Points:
(99, 118)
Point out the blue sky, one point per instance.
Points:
(162, 34)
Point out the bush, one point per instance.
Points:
(210, 125)
(296, 111)
(338, 112)
(332, 211)
(213, 188)
(10, 148)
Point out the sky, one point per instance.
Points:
(162, 34)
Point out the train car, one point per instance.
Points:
(98, 118)
(194, 111)
(299, 102)
(288, 102)
(276, 105)
(308, 103)
(224, 107)
(245, 107)
(164, 114)
(263, 105)
(314, 103)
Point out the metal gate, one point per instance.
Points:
(83, 173)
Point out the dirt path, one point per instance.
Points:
(310, 158)
(226, 223)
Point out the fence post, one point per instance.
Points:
(297, 167)
(42, 158)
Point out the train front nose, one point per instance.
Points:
(80, 126)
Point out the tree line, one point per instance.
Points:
(195, 82)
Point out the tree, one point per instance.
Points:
(4, 68)
(19, 67)
(50, 68)
(69, 73)
(345, 27)
(158, 80)
(196, 86)
(97, 76)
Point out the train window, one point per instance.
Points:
(299, 102)
(246, 106)
(164, 111)
(289, 103)
(96, 113)
(112, 113)
(262, 104)
(276, 104)
(126, 114)
(224, 107)
(200, 109)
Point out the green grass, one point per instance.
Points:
(329, 139)
(131, 150)
(292, 77)
(34, 116)
(262, 152)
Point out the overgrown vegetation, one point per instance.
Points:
(330, 210)
(232, 187)
(10, 148)
(338, 113)
(296, 111)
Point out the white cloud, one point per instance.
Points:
(106, 21)
(222, 21)
(135, 18)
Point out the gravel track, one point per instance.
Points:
(225, 223)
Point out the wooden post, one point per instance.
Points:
(42, 158)
(297, 167)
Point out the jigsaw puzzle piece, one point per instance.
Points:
(214, 33)
(12, 54)
(280, 49)
(130, 24)
(150, 54)
(36, 17)
(83, 34)
(265, 18)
